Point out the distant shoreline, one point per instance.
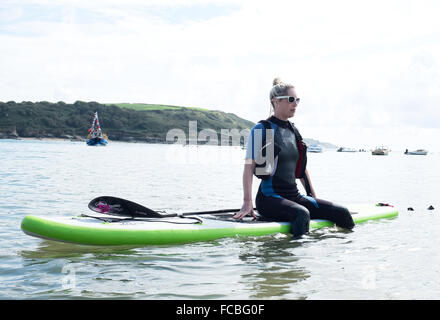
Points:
(73, 140)
(12, 137)
(80, 139)
(49, 139)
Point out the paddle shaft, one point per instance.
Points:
(200, 212)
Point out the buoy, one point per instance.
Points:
(380, 204)
(430, 208)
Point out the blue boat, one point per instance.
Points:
(97, 141)
(95, 136)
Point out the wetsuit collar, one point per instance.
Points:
(281, 123)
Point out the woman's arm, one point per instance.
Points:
(248, 173)
(310, 184)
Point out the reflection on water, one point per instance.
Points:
(48, 249)
(279, 265)
(270, 279)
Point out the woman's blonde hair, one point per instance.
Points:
(279, 89)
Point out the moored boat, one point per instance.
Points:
(344, 149)
(314, 148)
(421, 152)
(95, 136)
(382, 151)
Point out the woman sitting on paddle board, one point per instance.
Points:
(276, 154)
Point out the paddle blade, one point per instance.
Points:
(121, 207)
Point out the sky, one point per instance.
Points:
(367, 72)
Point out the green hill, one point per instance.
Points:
(145, 106)
(124, 122)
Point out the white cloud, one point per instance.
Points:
(365, 71)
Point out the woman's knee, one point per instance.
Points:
(343, 217)
(300, 220)
(303, 213)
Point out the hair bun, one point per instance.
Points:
(276, 81)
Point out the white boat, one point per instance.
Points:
(380, 151)
(421, 152)
(314, 148)
(344, 149)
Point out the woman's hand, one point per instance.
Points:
(246, 209)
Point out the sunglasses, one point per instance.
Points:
(290, 99)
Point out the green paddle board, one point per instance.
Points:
(153, 231)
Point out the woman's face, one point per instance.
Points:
(283, 108)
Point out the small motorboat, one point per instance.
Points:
(314, 148)
(344, 149)
(380, 151)
(420, 152)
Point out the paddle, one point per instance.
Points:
(121, 207)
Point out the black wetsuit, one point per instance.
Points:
(278, 198)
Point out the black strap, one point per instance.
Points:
(296, 132)
(110, 219)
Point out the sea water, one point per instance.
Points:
(386, 259)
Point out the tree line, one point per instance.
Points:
(60, 119)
